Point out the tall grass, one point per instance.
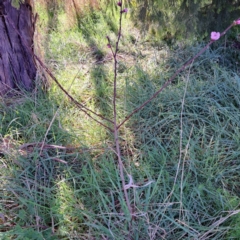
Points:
(59, 178)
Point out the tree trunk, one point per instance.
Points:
(17, 64)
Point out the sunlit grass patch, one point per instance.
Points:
(59, 177)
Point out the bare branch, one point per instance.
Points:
(173, 77)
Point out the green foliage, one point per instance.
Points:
(186, 142)
(235, 228)
(187, 145)
(183, 19)
(19, 233)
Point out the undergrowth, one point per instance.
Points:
(59, 177)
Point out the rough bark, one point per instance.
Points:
(17, 64)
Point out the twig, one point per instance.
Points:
(115, 127)
(53, 146)
(132, 185)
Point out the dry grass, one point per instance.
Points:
(74, 9)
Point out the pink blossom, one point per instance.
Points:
(237, 22)
(125, 10)
(109, 45)
(119, 4)
(215, 36)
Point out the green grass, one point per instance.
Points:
(65, 184)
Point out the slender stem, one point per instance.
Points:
(121, 167)
(115, 127)
(115, 69)
(169, 81)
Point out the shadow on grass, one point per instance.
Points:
(47, 185)
(51, 180)
(67, 192)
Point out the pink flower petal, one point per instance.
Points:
(125, 10)
(237, 22)
(215, 36)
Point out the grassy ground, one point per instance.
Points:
(59, 177)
